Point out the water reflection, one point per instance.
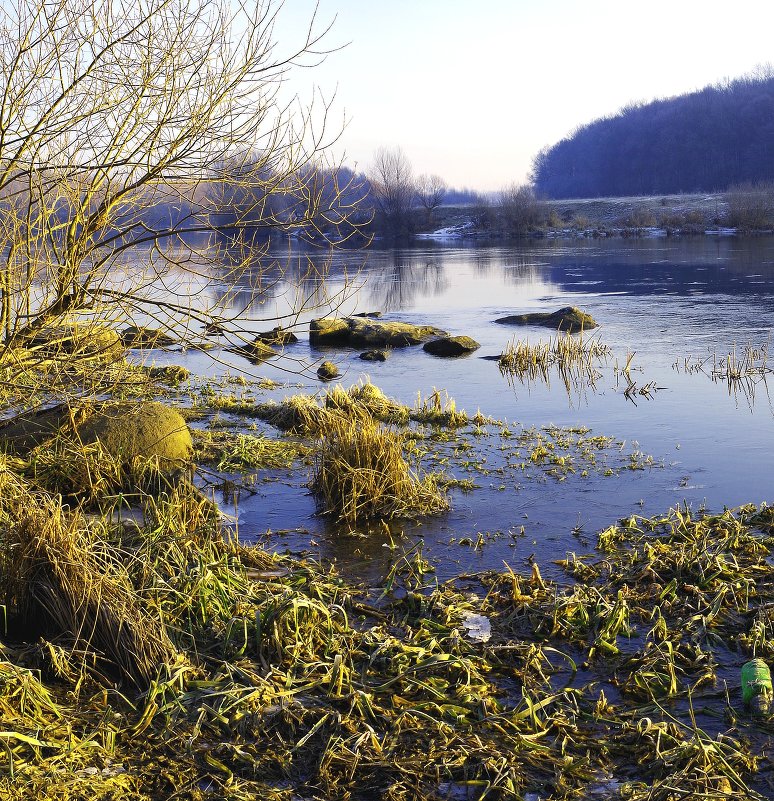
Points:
(661, 300)
(396, 286)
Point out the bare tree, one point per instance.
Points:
(520, 210)
(431, 191)
(117, 119)
(393, 190)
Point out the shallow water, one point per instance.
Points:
(661, 299)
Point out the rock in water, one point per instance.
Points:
(138, 336)
(277, 336)
(327, 371)
(363, 332)
(451, 346)
(569, 318)
(374, 356)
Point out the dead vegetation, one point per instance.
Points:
(260, 676)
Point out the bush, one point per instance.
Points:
(520, 210)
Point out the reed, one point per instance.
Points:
(360, 473)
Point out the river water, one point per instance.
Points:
(698, 441)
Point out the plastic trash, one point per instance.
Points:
(477, 627)
(756, 686)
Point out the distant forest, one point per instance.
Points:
(706, 141)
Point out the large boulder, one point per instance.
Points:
(569, 318)
(364, 332)
(125, 430)
(147, 429)
(329, 331)
(451, 346)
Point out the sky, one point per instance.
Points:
(471, 91)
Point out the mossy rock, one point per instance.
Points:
(131, 430)
(26, 431)
(364, 332)
(328, 331)
(569, 318)
(137, 336)
(327, 371)
(255, 351)
(172, 374)
(84, 340)
(125, 430)
(451, 346)
(367, 333)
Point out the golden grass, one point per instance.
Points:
(60, 575)
(360, 473)
(574, 357)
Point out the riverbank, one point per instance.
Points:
(667, 215)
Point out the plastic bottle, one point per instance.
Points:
(756, 686)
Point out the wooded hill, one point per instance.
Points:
(705, 141)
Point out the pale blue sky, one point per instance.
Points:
(472, 90)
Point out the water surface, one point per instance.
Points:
(660, 299)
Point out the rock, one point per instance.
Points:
(138, 336)
(26, 431)
(327, 371)
(372, 314)
(277, 336)
(569, 318)
(125, 430)
(328, 331)
(365, 333)
(362, 332)
(255, 351)
(85, 340)
(451, 346)
(374, 356)
(147, 429)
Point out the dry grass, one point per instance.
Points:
(575, 358)
(360, 473)
(61, 576)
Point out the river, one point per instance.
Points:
(660, 301)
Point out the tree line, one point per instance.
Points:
(705, 141)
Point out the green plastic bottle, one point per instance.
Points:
(756, 686)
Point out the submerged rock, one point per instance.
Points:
(327, 371)
(451, 346)
(364, 332)
(277, 336)
(374, 356)
(569, 318)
